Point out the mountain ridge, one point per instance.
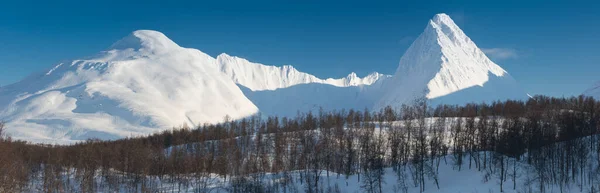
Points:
(258, 77)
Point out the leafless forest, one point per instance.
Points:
(543, 132)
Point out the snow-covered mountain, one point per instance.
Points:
(146, 83)
(445, 66)
(258, 77)
(142, 84)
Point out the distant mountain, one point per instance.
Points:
(258, 77)
(443, 65)
(285, 91)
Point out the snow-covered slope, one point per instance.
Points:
(303, 98)
(441, 63)
(258, 77)
(142, 84)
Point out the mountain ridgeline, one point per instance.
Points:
(146, 83)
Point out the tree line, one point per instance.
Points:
(556, 137)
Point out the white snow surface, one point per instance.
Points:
(304, 98)
(451, 180)
(443, 61)
(259, 77)
(142, 84)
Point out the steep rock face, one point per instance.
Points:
(142, 84)
(440, 64)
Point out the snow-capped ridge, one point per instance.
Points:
(442, 17)
(257, 77)
(353, 79)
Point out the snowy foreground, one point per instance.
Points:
(451, 180)
(529, 155)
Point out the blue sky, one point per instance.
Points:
(550, 48)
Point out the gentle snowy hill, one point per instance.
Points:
(142, 84)
(442, 63)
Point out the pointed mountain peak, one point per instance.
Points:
(376, 74)
(442, 61)
(442, 18)
(352, 75)
(225, 59)
(145, 39)
(224, 55)
(443, 28)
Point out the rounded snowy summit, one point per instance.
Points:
(145, 40)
